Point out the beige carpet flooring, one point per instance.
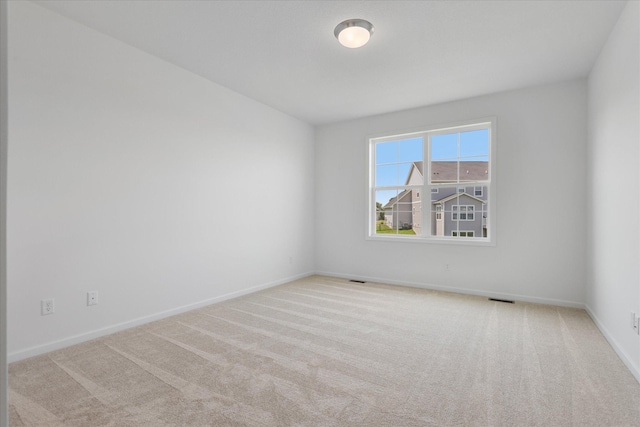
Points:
(327, 352)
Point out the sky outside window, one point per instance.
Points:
(470, 146)
(394, 158)
(393, 162)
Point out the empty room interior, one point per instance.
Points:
(319, 213)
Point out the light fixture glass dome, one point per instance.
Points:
(353, 33)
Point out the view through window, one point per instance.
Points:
(451, 166)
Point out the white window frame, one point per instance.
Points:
(428, 188)
(475, 189)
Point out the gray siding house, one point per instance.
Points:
(458, 210)
(397, 212)
(459, 215)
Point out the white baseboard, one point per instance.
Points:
(629, 363)
(77, 339)
(466, 291)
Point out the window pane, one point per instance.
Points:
(444, 171)
(414, 174)
(411, 150)
(457, 214)
(386, 200)
(403, 173)
(387, 152)
(473, 170)
(387, 175)
(384, 197)
(399, 174)
(475, 144)
(400, 212)
(444, 147)
(443, 193)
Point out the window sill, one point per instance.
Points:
(433, 240)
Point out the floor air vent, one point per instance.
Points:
(357, 281)
(501, 300)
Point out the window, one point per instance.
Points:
(461, 233)
(462, 212)
(451, 164)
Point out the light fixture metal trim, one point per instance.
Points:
(351, 23)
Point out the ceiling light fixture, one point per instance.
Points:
(353, 33)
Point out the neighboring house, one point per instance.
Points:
(458, 210)
(404, 211)
(397, 212)
(460, 215)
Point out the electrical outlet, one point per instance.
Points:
(92, 298)
(47, 306)
(635, 322)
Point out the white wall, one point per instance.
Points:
(613, 289)
(134, 178)
(4, 416)
(541, 201)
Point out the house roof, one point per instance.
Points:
(447, 171)
(453, 196)
(396, 199)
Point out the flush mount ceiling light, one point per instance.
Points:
(353, 33)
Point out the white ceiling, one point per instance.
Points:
(284, 53)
